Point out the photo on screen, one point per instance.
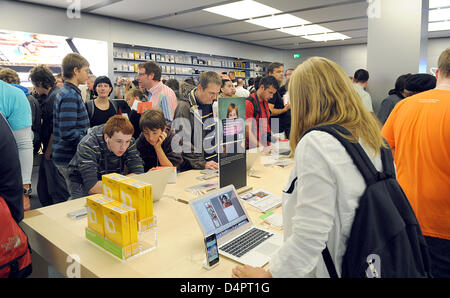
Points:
(21, 51)
(232, 157)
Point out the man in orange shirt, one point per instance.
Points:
(418, 131)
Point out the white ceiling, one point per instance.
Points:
(348, 17)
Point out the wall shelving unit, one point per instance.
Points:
(179, 64)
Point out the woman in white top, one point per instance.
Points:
(320, 210)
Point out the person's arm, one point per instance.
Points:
(162, 158)
(276, 112)
(96, 189)
(69, 108)
(87, 157)
(314, 213)
(133, 160)
(118, 92)
(252, 139)
(48, 151)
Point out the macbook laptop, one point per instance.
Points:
(222, 213)
(158, 179)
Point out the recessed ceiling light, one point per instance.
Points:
(305, 30)
(439, 26)
(243, 10)
(279, 21)
(327, 37)
(440, 14)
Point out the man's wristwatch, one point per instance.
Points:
(27, 191)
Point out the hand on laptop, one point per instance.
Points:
(212, 165)
(247, 271)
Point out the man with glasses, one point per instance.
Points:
(160, 95)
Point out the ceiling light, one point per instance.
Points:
(279, 21)
(438, 3)
(243, 10)
(327, 37)
(439, 26)
(441, 14)
(305, 30)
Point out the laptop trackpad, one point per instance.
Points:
(267, 248)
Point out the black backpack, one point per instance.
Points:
(385, 239)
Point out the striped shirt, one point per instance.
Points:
(70, 123)
(163, 98)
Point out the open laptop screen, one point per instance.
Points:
(220, 213)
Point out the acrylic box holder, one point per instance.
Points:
(147, 241)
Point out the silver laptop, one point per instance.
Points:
(222, 213)
(158, 179)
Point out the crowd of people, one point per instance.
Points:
(81, 135)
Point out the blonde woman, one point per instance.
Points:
(320, 208)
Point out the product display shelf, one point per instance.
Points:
(184, 64)
(179, 63)
(147, 241)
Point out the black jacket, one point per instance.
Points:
(11, 187)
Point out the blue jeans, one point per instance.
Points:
(440, 256)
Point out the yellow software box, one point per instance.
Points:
(148, 197)
(94, 206)
(133, 228)
(133, 193)
(111, 187)
(116, 224)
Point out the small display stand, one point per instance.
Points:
(147, 241)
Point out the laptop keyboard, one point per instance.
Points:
(244, 243)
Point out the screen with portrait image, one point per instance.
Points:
(220, 213)
(232, 157)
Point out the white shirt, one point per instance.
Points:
(321, 208)
(242, 92)
(365, 97)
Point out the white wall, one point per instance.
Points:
(353, 57)
(27, 17)
(350, 58)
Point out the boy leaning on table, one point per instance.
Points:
(107, 148)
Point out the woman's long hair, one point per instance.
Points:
(321, 93)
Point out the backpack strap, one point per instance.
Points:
(115, 106)
(90, 108)
(388, 161)
(256, 106)
(329, 263)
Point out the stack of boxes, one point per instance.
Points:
(124, 209)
